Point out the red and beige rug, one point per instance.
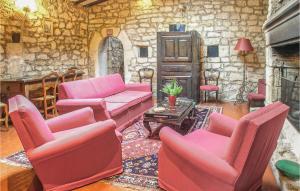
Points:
(139, 153)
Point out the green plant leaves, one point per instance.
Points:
(172, 88)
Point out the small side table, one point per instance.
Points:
(4, 109)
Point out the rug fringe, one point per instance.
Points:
(11, 163)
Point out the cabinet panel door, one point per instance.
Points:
(184, 81)
(184, 49)
(168, 49)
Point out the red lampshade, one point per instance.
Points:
(244, 44)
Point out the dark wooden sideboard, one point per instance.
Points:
(22, 86)
(178, 57)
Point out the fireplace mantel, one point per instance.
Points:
(282, 28)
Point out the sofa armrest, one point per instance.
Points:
(80, 103)
(98, 106)
(221, 124)
(95, 133)
(145, 87)
(72, 120)
(199, 158)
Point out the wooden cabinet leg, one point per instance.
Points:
(4, 112)
(6, 117)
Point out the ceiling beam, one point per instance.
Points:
(79, 1)
(94, 3)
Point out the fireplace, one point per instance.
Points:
(282, 81)
(290, 90)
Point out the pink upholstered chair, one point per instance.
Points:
(70, 150)
(211, 79)
(258, 99)
(230, 156)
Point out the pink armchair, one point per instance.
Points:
(230, 156)
(70, 150)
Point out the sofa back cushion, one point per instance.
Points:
(98, 87)
(108, 85)
(29, 123)
(79, 89)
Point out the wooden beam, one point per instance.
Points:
(95, 3)
(79, 1)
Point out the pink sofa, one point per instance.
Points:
(68, 151)
(230, 156)
(109, 97)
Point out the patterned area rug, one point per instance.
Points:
(138, 152)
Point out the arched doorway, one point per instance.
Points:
(111, 57)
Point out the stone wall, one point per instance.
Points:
(42, 50)
(275, 5)
(220, 22)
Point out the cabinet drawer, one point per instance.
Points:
(11, 87)
(177, 68)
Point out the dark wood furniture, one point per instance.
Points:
(211, 81)
(48, 98)
(22, 86)
(69, 75)
(178, 57)
(4, 116)
(172, 117)
(146, 74)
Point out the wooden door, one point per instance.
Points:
(176, 48)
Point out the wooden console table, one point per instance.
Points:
(22, 86)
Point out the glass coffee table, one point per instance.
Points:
(171, 116)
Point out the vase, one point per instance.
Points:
(172, 101)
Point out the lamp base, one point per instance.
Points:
(245, 88)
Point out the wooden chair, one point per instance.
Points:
(69, 75)
(48, 98)
(146, 74)
(258, 99)
(4, 116)
(211, 78)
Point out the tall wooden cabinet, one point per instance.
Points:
(178, 57)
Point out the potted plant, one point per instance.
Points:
(172, 89)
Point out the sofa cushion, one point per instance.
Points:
(255, 96)
(78, 89)
(130, 97)
(108, 85)
(116, 108)
(211, 142)
(209, 88)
